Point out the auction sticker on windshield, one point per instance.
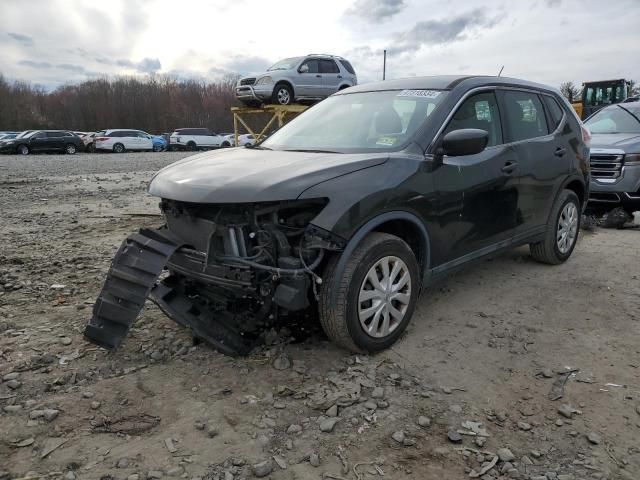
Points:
(419, 93)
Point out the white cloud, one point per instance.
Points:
(549, 41)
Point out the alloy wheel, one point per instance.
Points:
(567, 227)
(283, 96)
(384, 297)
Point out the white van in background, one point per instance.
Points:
(121, 140)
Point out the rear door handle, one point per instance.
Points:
(560, 152)
(509, 167)
(319, 76)
(339, 76)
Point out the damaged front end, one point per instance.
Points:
(230, 271)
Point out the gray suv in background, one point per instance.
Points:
(615, 156)
(309, 78)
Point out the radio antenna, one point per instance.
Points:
(500, 72)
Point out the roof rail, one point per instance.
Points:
(320, 55)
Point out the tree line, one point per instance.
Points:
(155, 104)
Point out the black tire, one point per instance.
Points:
(548, 250)
(70, 149)
(90, 148)
(339, 297)
(225, 145)
(118, 148)
(157, 148)
(282, 94)
(191, 146)
(23, 149)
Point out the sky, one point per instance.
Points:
(57, 42)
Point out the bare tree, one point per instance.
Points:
(156, 104)
(570, 91)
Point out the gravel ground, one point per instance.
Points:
(464, 394)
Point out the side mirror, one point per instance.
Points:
(304, 68)
(467, 141)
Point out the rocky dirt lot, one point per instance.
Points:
(473, 390)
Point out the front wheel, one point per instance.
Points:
(157, 148)
(282, 94)
(369, 305)
(70, 149)
(562, 230)
(23, 150)
(118, 148)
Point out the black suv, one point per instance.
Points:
(44, 141)
(353, 208)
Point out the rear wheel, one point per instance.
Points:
(562, 230)
(191, 146)
(70, 149)
(118, 148)
(367, 308)
(157, 148)
(282, 94)
(225, 145)
(23, 150)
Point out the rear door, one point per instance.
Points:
(309, 82)
(487, 181)
(542, 157)
(144, 141)
(331, 77)
(129, 139)
(55, 140)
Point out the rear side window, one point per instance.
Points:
(525, 116)
(348, 67)
(328, 66)
(555, 112)
(54, 134)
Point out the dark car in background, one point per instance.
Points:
(352, 208)
(615, 156)
(43, 141)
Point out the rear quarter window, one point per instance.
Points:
(555, 112)
(348, 67)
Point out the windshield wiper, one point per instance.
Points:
(310, 150)
(258, 147)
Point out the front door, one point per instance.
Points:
(39, 142)
(542, 156)
(488, 181)
(310, 80)
(55, 140)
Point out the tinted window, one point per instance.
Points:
(525, 116)
(348, 67)
(555, 112)
(54, 134)
(38, 135)
(328, 66)
(479, 111)
(142, 135)
(313, 66)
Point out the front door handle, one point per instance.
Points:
(339, 76)
(560, 152)
(319, 76)
(509, 167)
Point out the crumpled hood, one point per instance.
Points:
(244, 175)
(616, 140)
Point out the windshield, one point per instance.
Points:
(286, 64)
(613, 120)
(358, 122)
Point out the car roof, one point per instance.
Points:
(442, 82)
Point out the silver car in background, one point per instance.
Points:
(309, 78)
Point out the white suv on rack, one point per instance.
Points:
(194, 139)
(121, 140)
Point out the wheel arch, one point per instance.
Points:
(286, 82)
(402, 224)
(578, 188)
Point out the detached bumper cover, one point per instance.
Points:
(133, 278)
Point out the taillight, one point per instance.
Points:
(102, 139)
(586, 134)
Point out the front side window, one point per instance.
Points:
(310, 66)
(525, 116)
(359, 122)
(479, 111)
(614, 119)
(54, 134)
